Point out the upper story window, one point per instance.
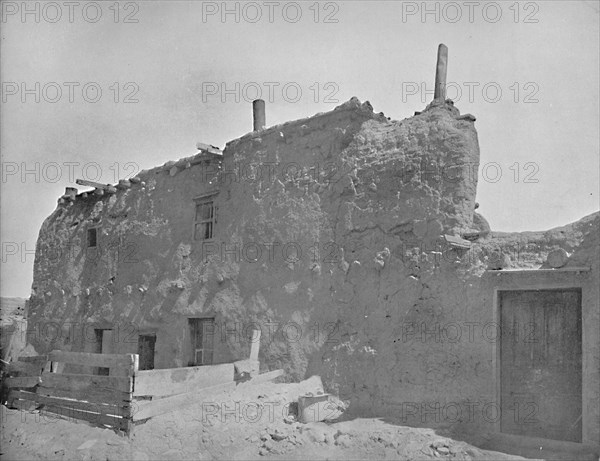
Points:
(205, 220)
(92, 236)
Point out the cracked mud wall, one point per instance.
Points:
(329, 238)
(366, 211)
(134, 279)
(351, 199)
(346, 185)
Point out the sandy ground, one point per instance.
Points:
(246, 423)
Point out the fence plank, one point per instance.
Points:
(23, 405)
(34, 359)
(23, 381)
(79, 382)
(124, 361)
(172, 381)
(25, 368)
(91, 395)
(25, 401)
(122, 410)
(97, 389)
(95, 418)
(157, 407)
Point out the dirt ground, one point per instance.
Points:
(249, 422)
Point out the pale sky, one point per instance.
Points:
(543, 56)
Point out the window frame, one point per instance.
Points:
(206, 199)
(89, 232)
(194, 323)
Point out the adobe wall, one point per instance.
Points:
(330, 238)
(386, 218)
(588, 255)
(363, 189)
(133, 280)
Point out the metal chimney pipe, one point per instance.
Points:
(258, 113)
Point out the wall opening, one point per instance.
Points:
(541, 363)
(205, 220)
(102, 345)
(202, 336)
(146, 344)
(92, 237)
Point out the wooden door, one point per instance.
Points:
(540, 361)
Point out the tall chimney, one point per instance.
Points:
(440, 73)
(258, 112)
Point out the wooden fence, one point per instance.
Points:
(165, 391)
(162, 391)
(37, 382)
(101, 400)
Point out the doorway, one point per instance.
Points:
(541, 363)
(146, 345)
(103, 346)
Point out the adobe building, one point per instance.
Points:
(352, 242)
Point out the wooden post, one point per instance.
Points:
(258, 114)
(440, 73)
(136, 364)
(100, 188)
(255, 346)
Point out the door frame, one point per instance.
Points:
(550, 279)
(577, 308)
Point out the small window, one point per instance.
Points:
(205, 220)
(202, 332)
(91, 237)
